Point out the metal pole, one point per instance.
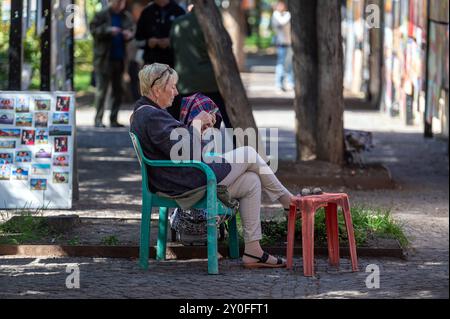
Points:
(381, 56)
(46, 14)
(28, 21)
(15, 46)
(70, 87)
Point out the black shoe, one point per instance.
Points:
(117, 124)
(100, 125)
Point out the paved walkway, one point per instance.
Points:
(110, 187)
(119, 278)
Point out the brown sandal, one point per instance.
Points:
(262, 262)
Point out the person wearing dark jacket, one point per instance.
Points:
(111, 28)
(153, 28)
(242, 170)
(193, 64)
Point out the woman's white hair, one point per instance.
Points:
(155, 75)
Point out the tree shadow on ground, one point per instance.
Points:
(109, 172)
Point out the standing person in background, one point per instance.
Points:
(111, 28)
(281, 24)
(193, 65)
(153, 30)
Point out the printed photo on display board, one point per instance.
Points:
(40, 169)
(42, 104)
(20, 173)
(6, 158)
(41, 119)
(43, 152)
(6, 103)
(24, 119)
(5, 172)
(56, 130)
(6, 118)
(63, 103)
(60, 177)
(36, 146)
(60, 144)
(41, 137)
(21, 108)
(22, 104)
(7, 144)
(38, 184)
(27, 137)
(23, 156)
(60, 118)
(9, 133)
(61, 160)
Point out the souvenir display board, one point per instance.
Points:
(37, 131)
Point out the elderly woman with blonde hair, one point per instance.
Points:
(153, 126)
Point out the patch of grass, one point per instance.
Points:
(254, 41)
(74, 241)
(372, 222)
(24, 227)
(273, 231)
(82, 79)
(239, 228)
(368, 223)
(83, 56)
(109, 240)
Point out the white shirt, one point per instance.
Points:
(281, 23)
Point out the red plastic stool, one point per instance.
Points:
(308, 206)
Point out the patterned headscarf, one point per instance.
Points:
(192, 105)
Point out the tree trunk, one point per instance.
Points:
(318, 66)
(330, 135)
(225, 67)
(376, 57)
(234, 22)
(306, 71)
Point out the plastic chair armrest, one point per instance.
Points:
(210, 176)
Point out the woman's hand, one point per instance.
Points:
(115, 30)
(208, 120)
(127, 35)
(152, 42)
(164, 43)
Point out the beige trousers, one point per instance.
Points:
(245, 182)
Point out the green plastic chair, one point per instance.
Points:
(210, 202)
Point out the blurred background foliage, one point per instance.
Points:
(259, 37)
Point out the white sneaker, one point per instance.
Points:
(279, 90)
(290, 87)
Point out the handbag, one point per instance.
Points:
(190, 226)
